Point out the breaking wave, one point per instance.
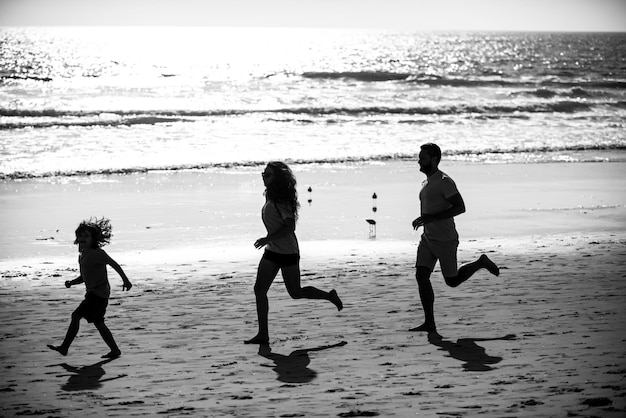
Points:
(535, 154)
(17, 119)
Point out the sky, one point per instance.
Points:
(512, 15)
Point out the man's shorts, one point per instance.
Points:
(428, 252)
(92, 308)
(282, 260)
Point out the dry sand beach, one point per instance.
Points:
(545, 339)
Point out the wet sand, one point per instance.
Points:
(545, 338)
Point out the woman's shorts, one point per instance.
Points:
(282, 260)
(92, 308)
(428, 252)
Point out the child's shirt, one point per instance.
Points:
(93, 270)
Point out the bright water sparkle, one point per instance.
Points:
(123, 99)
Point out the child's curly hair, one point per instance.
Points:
(100, 230)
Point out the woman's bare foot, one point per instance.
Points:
(258, 340)
(425, 328)
(58, 349)
(489, 265)
(334, 298)
(112, 354)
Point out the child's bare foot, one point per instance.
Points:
(425, 328)
(258, 340)
(59, 349)
(334, 298)
(112, 354)
(490, 265)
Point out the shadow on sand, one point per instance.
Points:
(86, 377)
(294, 367)
(473, 356)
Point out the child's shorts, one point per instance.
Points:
(428, 252)
(92, 308)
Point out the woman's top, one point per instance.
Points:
(93, 270)
(274, 216)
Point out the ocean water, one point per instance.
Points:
(115, 100)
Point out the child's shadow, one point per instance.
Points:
(86, 377)
(466, 350)
(294, 367)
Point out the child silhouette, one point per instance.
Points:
(91, 235)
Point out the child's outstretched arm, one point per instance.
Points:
(127, 284)
(70, 283)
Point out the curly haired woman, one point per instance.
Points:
(279, 216)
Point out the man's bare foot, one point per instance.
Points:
(112, 354)
(59, 349)
(425, 328)
(489, 265)
(258, 340)
(334, 298)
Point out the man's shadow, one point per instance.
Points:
(466, 350)
(294, 367)
(86, 377)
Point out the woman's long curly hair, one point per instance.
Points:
(283, 188)
(100, 230)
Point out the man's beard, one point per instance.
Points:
(426, 168)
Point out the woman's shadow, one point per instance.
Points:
(86, 377)
(466, 350)
(294, 367)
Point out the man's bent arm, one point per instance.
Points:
(457, 208)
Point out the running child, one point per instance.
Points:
(91, 236)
